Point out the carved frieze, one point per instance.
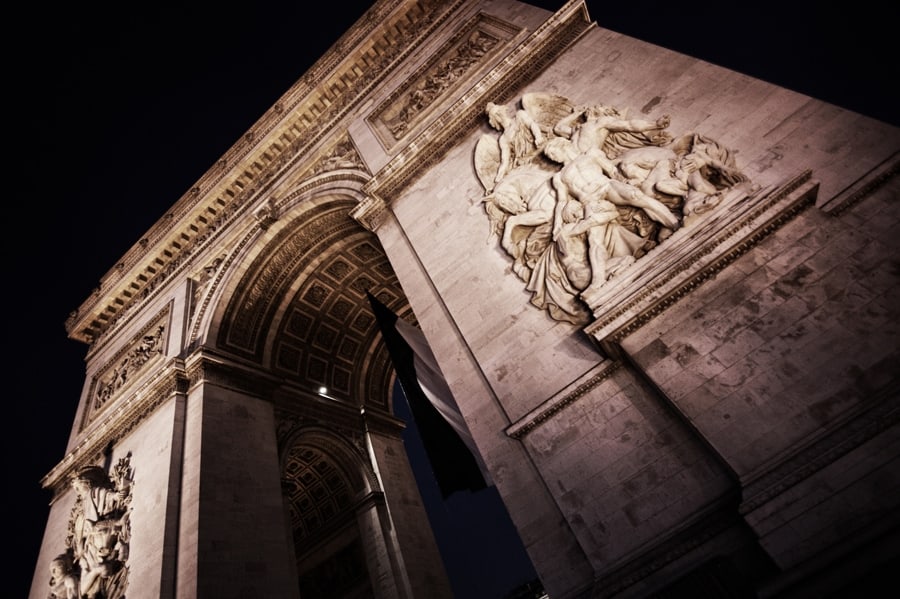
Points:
(473, 45)
(521, 65)
(145, 349)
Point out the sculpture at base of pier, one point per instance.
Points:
(95, 562)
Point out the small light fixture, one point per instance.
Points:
(323, 390)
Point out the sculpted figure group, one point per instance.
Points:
(94, 565)
(576, 194)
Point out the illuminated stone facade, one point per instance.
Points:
(717, 410)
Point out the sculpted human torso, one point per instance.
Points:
(578, 193)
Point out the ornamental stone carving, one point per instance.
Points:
(95, 562)
(459, 58)
(577, 194)
(127, 364)
(266, 214)
(370, 212)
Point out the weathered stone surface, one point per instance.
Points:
(731, 397)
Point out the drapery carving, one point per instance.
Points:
(576, 194)
(94, 564)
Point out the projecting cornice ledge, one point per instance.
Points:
(691, 256)
(561, 401)
(370, 213)
(863, 187)
(286, 138)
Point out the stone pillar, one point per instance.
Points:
(233, 541)
(409, 540)
(381, 557)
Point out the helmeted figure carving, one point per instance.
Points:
(95, 561)
(576, 194)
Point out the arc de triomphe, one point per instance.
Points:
(663, 294)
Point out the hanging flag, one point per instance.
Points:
(455, 461)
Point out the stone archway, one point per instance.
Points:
(289, 309)
(324, 487)
(296, 305)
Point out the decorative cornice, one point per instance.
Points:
(716, 520)
(555, 405)
(307, 114)
(646, 298)
(207, 367)
(880, 413)
(370, 213)
(864, 187)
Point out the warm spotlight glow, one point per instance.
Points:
(323, 390)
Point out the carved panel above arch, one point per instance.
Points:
(145, 349)
(477, 41)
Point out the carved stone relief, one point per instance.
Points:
(202, 280)
(577, 194)
(343, 155)
(127, 363)
(266, 214)
(95, 562)
(475, 41)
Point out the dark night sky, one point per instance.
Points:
(117, 110)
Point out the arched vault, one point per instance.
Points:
(294, 300)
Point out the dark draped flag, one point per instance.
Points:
(455, 462)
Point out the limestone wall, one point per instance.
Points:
(232, 476)
(788, 361)
(404, 518)
(781, 347)
(151, 546)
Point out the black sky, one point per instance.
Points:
(117, 109)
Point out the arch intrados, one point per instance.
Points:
(342, 185)
(349, 459)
